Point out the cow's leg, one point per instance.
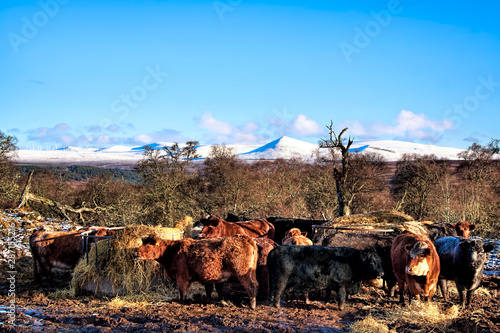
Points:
(37, 270)
(220, 290)
(209, 288)
(432, 290)
(463, 296)
(278, 285)
(308, 301)
(444, 288)
(45, 269)
(251, 286)
(183, 286)
(470, 293)
(401, 286)
(341, 297)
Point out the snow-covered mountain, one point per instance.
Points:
(284, 147)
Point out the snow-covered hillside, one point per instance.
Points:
(284, 147)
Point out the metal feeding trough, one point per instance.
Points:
(88, 234)
(352, 229)
(85, 243)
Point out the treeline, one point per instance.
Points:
(173, 186)
(85, 173)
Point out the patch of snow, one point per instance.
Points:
(284, 147)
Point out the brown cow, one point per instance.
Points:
(207, 261)
(463, 228)
(416, 263)
(214, 226)
(59, 250)
(296, 237)
(264, 245)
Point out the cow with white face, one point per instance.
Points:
(416, 264)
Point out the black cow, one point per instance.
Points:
(308, 268)
(462, 260)
(283, 224)
(378, 242)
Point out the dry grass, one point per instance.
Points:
(369, 325)
(116, 263)
(482, 291)
(62, 294)
(425, 314)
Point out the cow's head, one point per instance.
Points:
(463, 228)
(371, 264)
(419, 255)
(295, 232)
(101, 231)
(150, 248)
(211, 227)
(474, 252)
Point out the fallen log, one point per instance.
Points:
(59, 208)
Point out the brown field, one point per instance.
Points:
(49, 308)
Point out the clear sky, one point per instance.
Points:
(103, 73)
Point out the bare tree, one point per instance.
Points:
(416, 179)
(223, 182)
(166, 176)
(335, 143)
(8, 174)
(479, 193)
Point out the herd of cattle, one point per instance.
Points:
(248, 251)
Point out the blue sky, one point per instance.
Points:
(102, 73)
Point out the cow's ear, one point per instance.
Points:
(156, 239)
(472, 227)
(207, 220)
(408, 248)
(489, 247)
(152, 239)
(304, 233)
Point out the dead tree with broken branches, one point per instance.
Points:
(341, 172)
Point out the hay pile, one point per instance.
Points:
(118, 273)
(376, 219)
(390, 221)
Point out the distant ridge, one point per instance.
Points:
(284, 147)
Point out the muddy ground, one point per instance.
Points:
(39, 310)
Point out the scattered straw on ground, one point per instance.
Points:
(369, 325)
(425, 313)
